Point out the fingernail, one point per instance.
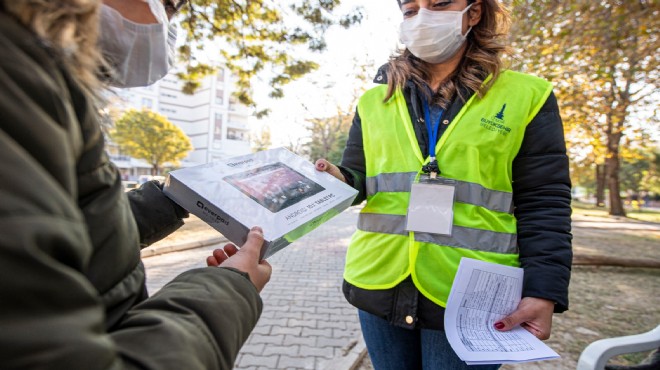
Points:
(257, 229)
(499, 325)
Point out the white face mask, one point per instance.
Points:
(141, 54)
(434, 36)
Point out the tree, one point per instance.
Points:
(328, 136)
(147, 135)
(651, 181)
(262, 141)
(635, 169)
(296, 146)
(603, 58)
(255, 36)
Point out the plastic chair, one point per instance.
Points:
(595, 356)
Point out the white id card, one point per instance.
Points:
(431, 207)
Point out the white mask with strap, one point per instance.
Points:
(140, 54)
(434, 36)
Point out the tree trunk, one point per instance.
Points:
(612, 171)
(154, 170)
(600, 185)
(616, 203)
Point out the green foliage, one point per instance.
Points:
(636, 169)
(584, 175)
(651, 179)
(256, 36)
(328, 137)
(147, 135)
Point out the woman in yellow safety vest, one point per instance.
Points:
(456, 158)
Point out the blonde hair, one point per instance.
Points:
(70, 27)
(486, 42)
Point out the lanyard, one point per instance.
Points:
(432, 130)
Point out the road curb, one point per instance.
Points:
(158, 250)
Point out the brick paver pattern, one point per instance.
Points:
(306, 322)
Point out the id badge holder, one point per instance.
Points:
(431, 206)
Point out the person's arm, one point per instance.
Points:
(542, 200)
(201, 318)
(155, 214)
(51, 316)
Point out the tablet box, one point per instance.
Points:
(275, 189)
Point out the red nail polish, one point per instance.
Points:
(499, 325)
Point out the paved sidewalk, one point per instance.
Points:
(306, 322)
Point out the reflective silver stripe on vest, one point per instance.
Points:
(462, 237)
(390, 182)
(466, 192)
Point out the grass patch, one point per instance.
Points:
(630, 358)
(645, 215)
(587, 209)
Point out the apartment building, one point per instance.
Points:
(215, 122)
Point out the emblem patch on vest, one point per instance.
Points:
(496, 123)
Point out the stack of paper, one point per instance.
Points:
(482, 294)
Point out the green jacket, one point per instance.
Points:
(72, 287)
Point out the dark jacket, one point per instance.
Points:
(541, 195)
(72, 287)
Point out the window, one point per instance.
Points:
(219, 96)
(220, 76)
(234, 134)
(233, 103)
(148, 103)
(217, 127)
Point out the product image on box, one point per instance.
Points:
(274, 186)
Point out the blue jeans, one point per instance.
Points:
(394, 348)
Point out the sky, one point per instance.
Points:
(370, 43)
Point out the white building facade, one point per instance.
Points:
(215, 122)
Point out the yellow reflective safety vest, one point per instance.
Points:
(477, 150)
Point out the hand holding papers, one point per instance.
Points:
(482, 294)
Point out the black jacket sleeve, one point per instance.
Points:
(542, 200)
(155, 214)
(353, 164)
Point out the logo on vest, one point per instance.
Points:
(496, 123)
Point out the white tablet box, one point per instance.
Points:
(275, 189)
